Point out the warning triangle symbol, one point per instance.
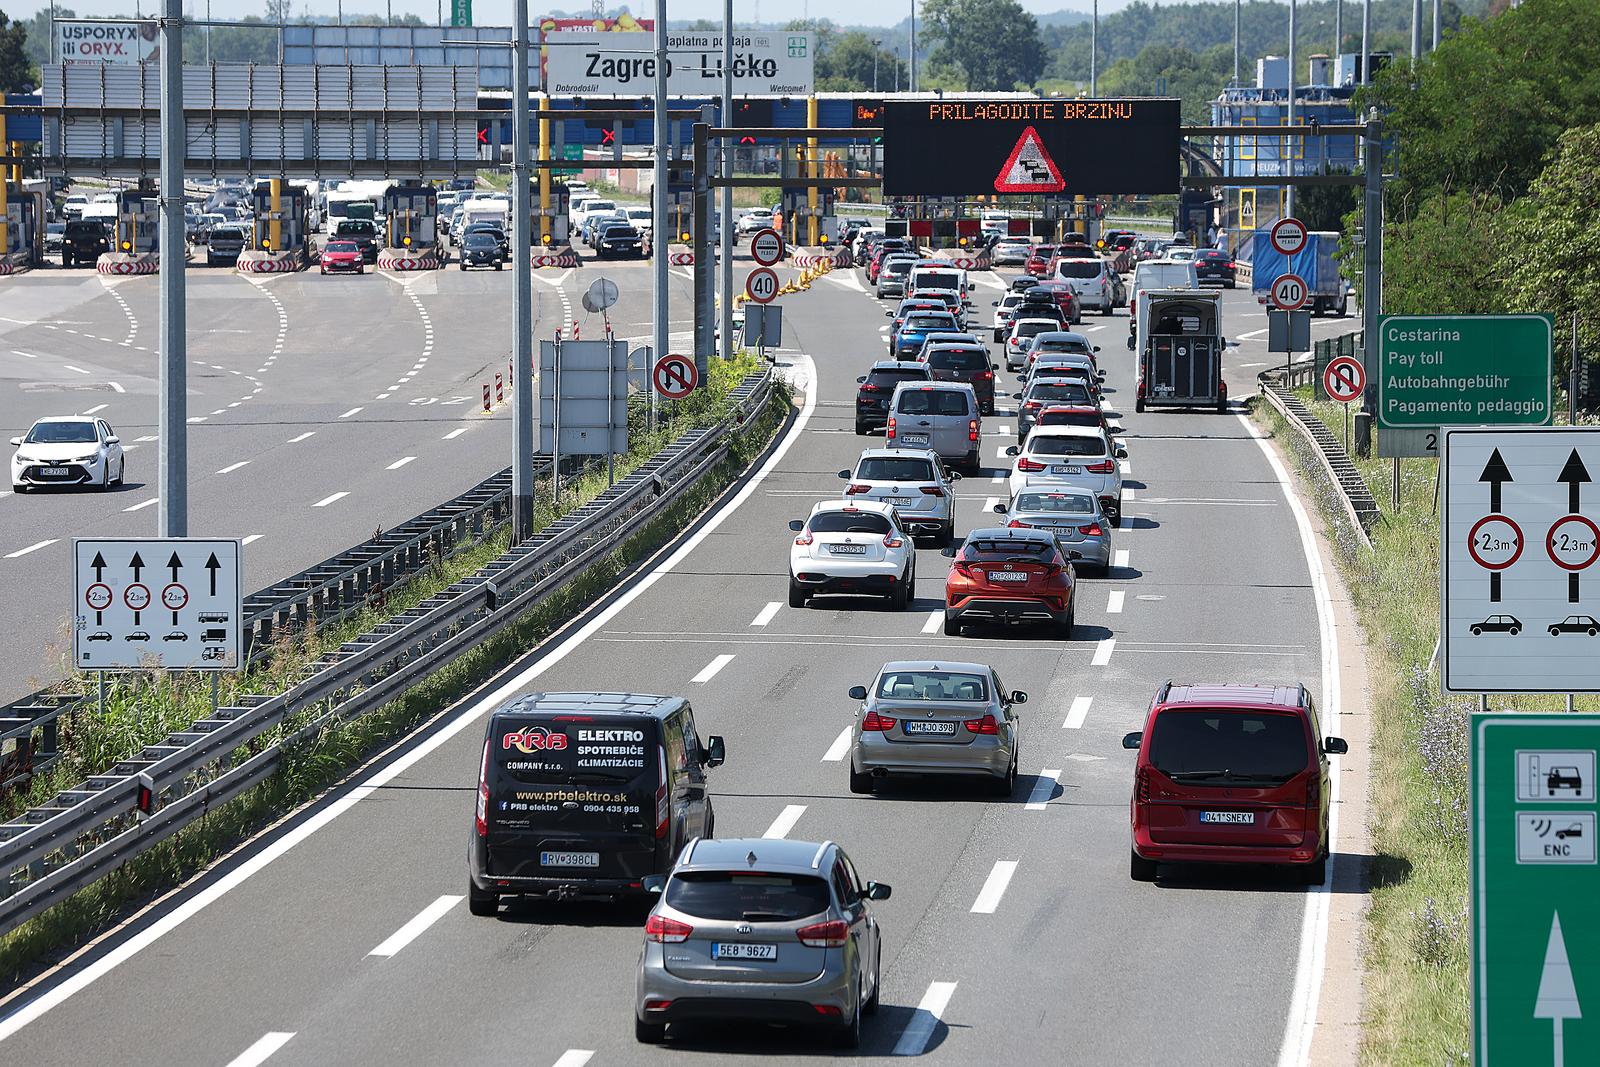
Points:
(1029, 169)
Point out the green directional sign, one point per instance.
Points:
(1464, 370)
(460, 12)
(1535, 890)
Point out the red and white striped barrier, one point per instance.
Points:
(680, 259)
(389, 259)
(120, 264)
(815, 257)
(564, 258)
(965, 260)
(7, 267)
(268, 263)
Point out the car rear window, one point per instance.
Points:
(1033, 329)
(1055, 503)
(932, 685)
(1203, 747)
(938, 280)
(958, 359)
(998, 550)
(894, 469)
(1069, 418)
(930, 322)
(932, 402)
(897, 269)
(1045, 250)
(549, 751)
(753, 896)
(1067, 446)
(1059, 392)
(849, 522)
(1078, 268)
(888, 379)
(1078, 347)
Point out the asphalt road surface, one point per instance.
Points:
(1064, 960)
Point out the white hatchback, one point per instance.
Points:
(67, 450)
(853, 548)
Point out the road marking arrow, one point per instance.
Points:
(99, 566)
(1558, 997)
(137, 563)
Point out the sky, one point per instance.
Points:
(498, 12)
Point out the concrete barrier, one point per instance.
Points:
(808, 256)
(564, 258)
(122, 264)
(400, 259)
(255, 261)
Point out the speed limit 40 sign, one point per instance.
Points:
(1289, 292)
(762, 285)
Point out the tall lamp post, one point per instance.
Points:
(912, 56)
(875, 45)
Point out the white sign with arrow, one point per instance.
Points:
(167, 603)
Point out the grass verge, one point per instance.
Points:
(316, 766)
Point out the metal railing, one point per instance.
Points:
(1355, 498)
(81, 833)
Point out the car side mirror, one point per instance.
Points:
(1335, 746)
(1122, 453)
(861, 379)
(948, 551)
(16, 441)
(716, 751)
(1232, 344)
(796, 525)
(1013, 451)
(857, 692)
(113, 440)
(888, 314)
(1133, 740)
(1016, 396)
(1019, 697)
(999, 509)
(844, 474)
(653, 883)
(1097, 348)
(994, 303)
(878, 891)
(955, 476)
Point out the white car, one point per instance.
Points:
(852, 548)
(1075, 455)
(1002, 314)
(67, 450)
(1010, 253)
(1092, 281)
(1021, 336)
(752, 220)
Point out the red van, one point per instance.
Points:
(1231, 773)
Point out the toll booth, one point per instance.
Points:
(291, 218)
(411, 214)
(796, 207)
(25, 219)
(557, 222)
(138, 226)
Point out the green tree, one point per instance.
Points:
(994, 43)
(17, 73)
(1444, 260)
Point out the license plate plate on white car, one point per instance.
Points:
(917, 726)
(53, 472)
(1008, 576)
(1066, 468)
(569, 859)
(1242, 818)
(914, 438)
(739, 950)
(848, 550)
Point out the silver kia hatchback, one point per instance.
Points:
(1071, 513)
(932, 718)
(762, 930)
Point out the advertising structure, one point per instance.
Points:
(621, 64)
(80, 42)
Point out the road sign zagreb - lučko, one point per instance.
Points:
(1438, 370)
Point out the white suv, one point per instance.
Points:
(853, 548)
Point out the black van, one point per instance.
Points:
(586, 794)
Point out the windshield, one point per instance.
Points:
(1063, 417)
(1044, 251)
(849, 522)
(1018, 550)
(341, 246)
(931, 685)
(752, 896)
(894, 469)
(227, 233)
(958, 359)
(1224, 747)
(481, 240)
(600, 205)
(1078, 268)
(931, 402)
(1055, 503)
(1066, 446)
(356, 228)
(61, 433)
(1075, 347)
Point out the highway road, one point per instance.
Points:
(320, 409)
(343, 935)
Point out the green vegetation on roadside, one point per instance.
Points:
(314, 767)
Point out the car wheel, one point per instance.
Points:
(973, 463)
(1141, 869)
(849, 1035)
(797, 594)
(1515, 630)
(482, 904)
(105, 476)
(947, 536)
(1314, 873)
(1477, 631)
(860, 784)
(1007, 785)
(122, 470)
(952, 625)
(497, 266)
(649, 1033)
(901, 597)
(862, 429)
(1592, 631)
(1064, 624)
(1555, 631)
(1230, 285)
(871, 1006)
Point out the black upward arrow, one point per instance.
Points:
(1574, 473)
(137, 563)
(99, 566)
(1495, 472)
(213, 566)
(176, 564)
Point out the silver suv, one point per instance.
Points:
(768, 930)
(912, 481)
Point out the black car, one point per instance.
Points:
(1497, 624)
(493, 231)
(481, 250)
(877, 386)
(364, 232)
(1576, 624)
(1215, 265)
(83, 242)
(618, 239)
(968, 363)
(586, 794)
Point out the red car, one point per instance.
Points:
(1073, 415)
(1231, 773)
(1039, 261)
(343, 257)
(1010, 576)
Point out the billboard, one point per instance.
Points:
(621, 64)
(1030, 147)
(624, 23)
(81, 41)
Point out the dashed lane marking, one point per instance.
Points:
(1077, 713)
(919, 1030)
(766, 614)
(994, 887)
(784, 822)
(415, 928)
(262, 1050)
(1102, 652)
(1044, 787)
(709, 671)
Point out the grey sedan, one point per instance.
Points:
(1072, 514)
(922, 717)
(769, 930)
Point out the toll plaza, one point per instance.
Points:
(411, 214)
(279, 236)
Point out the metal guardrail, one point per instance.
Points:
(22, 754)
(81, 833)
(1360, 508)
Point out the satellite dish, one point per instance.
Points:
(601, 295)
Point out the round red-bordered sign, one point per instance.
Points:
(1288, 236)
(762, 285)
(1289, 292)
(1491, 543)
(136, 596)
(174, 597)
(1591, 545)
(1344, 378)
(766, 247)
(98, 596)
(675, 376)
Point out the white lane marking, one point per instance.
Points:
(318, 818)
(413, 929)
(263, 1049)
(1120, 558)
(709, 671)
(785, 822)
(575, 1057)
(1114, 601)
(147, 437)
(36, 546)
(994, 887)
(230, 468)
(1251, 366)
(453, 434)
(347, 414)
(1091, 329)
(840, 746)
(69, 366)
(989, 503)
(401, 462)
(935, 620)
(143, 504)
(919, 1031)
(250, 539)
(1129, 493)
(196, 418)
(1102, 652)
(325, 501)
(1126, 465)
(766, 615)
(97, 407)
(19, 352)
(1044, 787)
(1077, 713)
(302, 437)
(1302, 1021)
(1252, 333)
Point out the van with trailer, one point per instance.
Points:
(1180, 349)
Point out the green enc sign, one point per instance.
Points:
(1535, 884)
(460, 12)
(1464, 370)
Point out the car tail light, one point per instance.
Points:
(805, 538)
(657, 1005)
(1018, 524)
(1026, 464)
(1032, 405)
(663, 809)
(1091, 530)
(962, 568)
(891, 541)
(1230, 264)
(665, 931)
(828, 1011)
(1142, 783)
(868, 387)
(985, 376)
(932, 490)
(1052, 570)
(1314, 792)
(1103, 467)
(482, 821)
(857, 487)
(888, 431)
(831, 934)
(985, 725)
(875, 723)
(972, 429)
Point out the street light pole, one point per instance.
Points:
(1236, 4)
(1366, 41)
(1338, 29)
(1094, 51)
(172, 426)
(658, 207)
(875, 45)
(1288, 194)
(726, 149)
(912, 57)
(524, 401)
